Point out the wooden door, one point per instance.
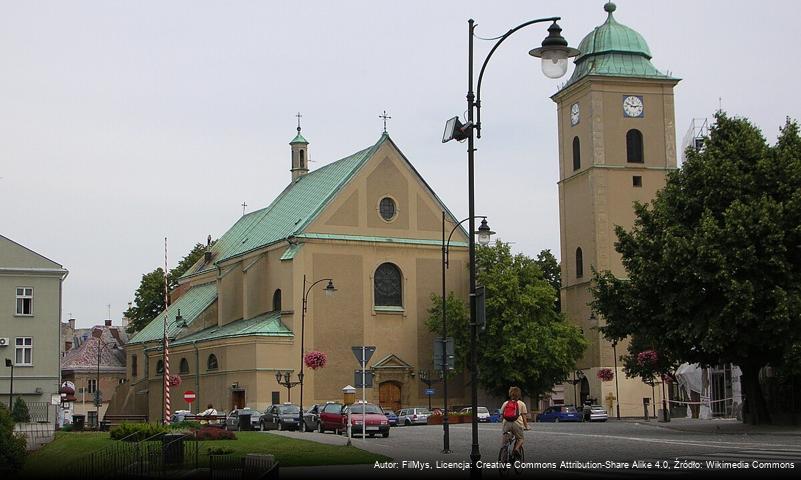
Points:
(389, 396)
(238, 399)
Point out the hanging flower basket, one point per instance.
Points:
(647, 357)
(174, 380)
(606, 374)
(315, 360)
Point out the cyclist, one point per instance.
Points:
(514, 413)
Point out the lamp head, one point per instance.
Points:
(330, 289)
(484, 233)
(554, 52)
(455, 130)
(579, 374)
(278, 376)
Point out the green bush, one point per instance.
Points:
(68, 427)
(135, 432)
(186, 425)
(220, 451)
(12, 447)
(20, 412)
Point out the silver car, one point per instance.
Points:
(413, 416)
(595, 413)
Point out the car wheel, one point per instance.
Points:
(280, 426)
(261, 426)
(385, 434)
(408, 423)
(556, 420)
(320, 427)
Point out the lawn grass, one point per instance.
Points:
(68, 447)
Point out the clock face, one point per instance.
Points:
(632, 106)
(574, 114)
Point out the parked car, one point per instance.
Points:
(496, 416)
(280, 417)
(483, 413)
(392, 417)
(411, 416)
(311, 417)
(559, 413)
(595, 413)
(232, 419)
(330, 418)
(366, 416)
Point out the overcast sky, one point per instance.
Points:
(122, 123)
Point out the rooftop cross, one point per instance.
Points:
(385, 117)
(299, 117)
(245, 205)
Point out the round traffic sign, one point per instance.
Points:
(189, 396)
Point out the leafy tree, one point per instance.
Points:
(550, 270)
(713, 262)
(526, 342)
(12, 446)
(19, 412)
(149, 297)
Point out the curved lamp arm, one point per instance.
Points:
(446, 245)
(477, 103)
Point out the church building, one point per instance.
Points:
(371, 226)
(617, 143)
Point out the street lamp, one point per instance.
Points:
(283, 378)
(329, 291)
(98, 400)
(9, 363)
(578, 376)
(617, 391)
(554, 49)
(484, 234)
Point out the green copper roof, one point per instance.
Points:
(298, 139)
(364, 238)
(267, 324)
(615, 50)
(290, 252)
(191, 304)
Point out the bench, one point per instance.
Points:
(210, 420)
(110, 421)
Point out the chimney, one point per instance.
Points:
(108, 323)
(300, 155)
(72, 323)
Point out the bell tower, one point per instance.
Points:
(300, 154)
(617, 142)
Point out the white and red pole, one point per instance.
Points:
(166, 350)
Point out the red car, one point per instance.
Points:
(334, 417)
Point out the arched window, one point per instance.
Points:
(579, 263)
(576, 153)
(634, 146)
(302, 159)
(184, 367)
(134, 366)
(277, 300)
(387, 280)
(211, 364)
(160, 367)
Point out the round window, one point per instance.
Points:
(387, 208)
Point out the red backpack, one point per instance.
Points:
(511, 411)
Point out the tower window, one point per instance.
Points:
(634, 147)
(579, 263)
(302, 159)
(277, 300)
(636, 181)
(184, 366)
(387, 281)
(576, 153)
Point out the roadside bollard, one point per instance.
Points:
(645, 402)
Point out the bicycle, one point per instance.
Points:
(507, 456)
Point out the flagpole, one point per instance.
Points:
(165, 352)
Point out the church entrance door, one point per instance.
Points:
(389, 395)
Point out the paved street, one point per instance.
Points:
(610, 448)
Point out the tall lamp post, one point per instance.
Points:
(284, 379)
(329, 291)
(484, 233)
(617, 391)
(554, 53)
(425, 377)
(98, 399)
(578, 376)
(9, 363)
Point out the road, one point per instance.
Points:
(633, 449)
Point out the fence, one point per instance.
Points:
(162, 455)
(252, 466)
(39, 411)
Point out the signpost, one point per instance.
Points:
(189, 396)
(363, 354)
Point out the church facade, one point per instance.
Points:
(370, 224)
(617, 143)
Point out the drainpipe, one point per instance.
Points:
(147, 377)
(197, 377)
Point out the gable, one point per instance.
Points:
(392, 361)
(14, 255)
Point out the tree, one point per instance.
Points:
(19, 412)
(12, 446)
(525, 342)
(714, 261)
(552, 274)
(149, 297)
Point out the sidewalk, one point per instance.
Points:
(722, 426)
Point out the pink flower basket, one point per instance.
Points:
(315, 360)
(647, 357)
(606, 374)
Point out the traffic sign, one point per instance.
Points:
(363, 350)
(368, 379)
(189, 396)
(429, 391)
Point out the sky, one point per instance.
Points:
(122, 123)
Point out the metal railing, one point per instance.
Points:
(38, 411)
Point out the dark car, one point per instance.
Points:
(392, 417)
(560, 413)
(280, 417)
(311, 417)
(232, 419)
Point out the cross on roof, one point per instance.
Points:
(299, 117)
(243, 210)
(385, 117)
